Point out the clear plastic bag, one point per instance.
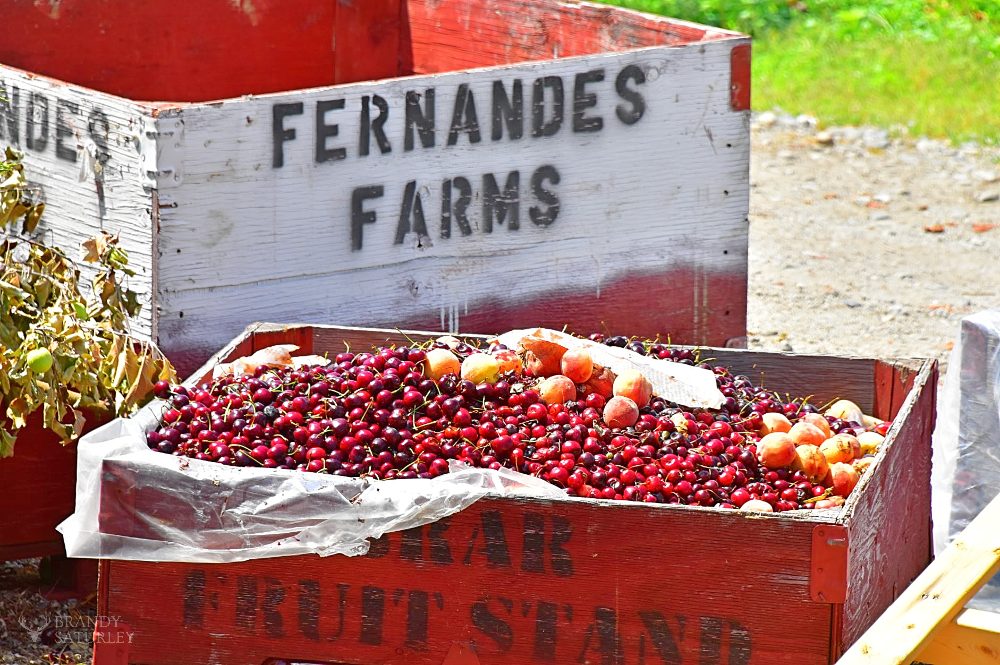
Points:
(133, 503)
(966, 463)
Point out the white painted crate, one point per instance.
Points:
(590, 169)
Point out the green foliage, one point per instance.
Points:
(928, 64)
(62, 352)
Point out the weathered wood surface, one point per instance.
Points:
(729, 588)
(934, 600)
(890, 512)
(87, 155)
(638, 224)
(515, 581)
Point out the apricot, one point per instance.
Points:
(841, 448)
(556, 389)
(775, 422)
(439, 362)
(806, 433)
(621, 412)
(862, 464)
(577, 365)
(870, 442)
(819, 420)
(843, 478)
(811, 460)
(776, 450)
(481, 368)
(632, 384)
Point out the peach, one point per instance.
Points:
(757, 506)
(847, 410)
(829, 502)
(481, 368)
(450, 340)
(601, 382)
(841, 448)
(870, 442)
(775, 422)
(809, 459)
(806, 433)
(542, 357)
(819, 420)
(843, 478)
(862, 464)
(439, 362)
(577, 365)
(556, 389)
(508, 360)
(621, 412)
(632, 384)
(776, 450)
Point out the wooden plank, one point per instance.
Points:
(972, 638)
(86, 155)
(516, 580)
(371, 40)
(261, 229)
(888, 515)
(450, 36)
(193, 50)
(935, 597)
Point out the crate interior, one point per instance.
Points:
(200, 50)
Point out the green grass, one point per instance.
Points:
(932, 66)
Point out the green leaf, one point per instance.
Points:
(6, 443)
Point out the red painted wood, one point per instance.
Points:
(187, 50)
(711, 311)
(890, 531)
(739, 81)
(449, 36)
(705, 573)
(371, 40)
(39, 488)
(515, 581)
(198, 50)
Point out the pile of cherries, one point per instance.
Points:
(376, 415)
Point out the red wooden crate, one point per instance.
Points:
(570, 580)
(39, 488)
(381, 162)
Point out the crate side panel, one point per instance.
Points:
(84, 154)
(180, 51)
(513, 581)
(450, 36)
(638, 220)
(889, 526)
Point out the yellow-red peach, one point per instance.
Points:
(775, 422)
(632, 384)
(776, 450)
(577, 365)
(439, 362)
(843, 478)
(556, 389)
(841, 448)
(481, 368)
(810, 460)
(621, 412)
(819, 420)
(806, 433)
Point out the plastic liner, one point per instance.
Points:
(134, 503)
(966, 462)
(137, 504)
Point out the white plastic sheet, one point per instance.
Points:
(134, 503)
(966, 463)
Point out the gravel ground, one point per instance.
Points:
(861, 243)
(864, 244)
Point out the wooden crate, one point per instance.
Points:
(557, 581)
(479, 165)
